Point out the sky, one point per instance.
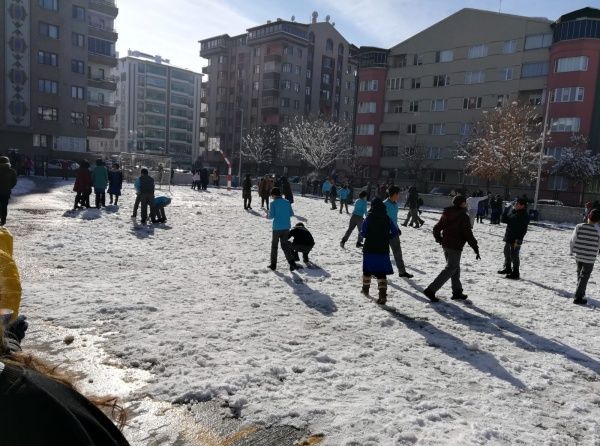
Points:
(172, 28)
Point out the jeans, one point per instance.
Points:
(451, 271)
(342, 204)
(356, 221)
(147, 199)
(281, 236)
(4, 208)
(100, 197)
(397, 251)
(413, 218)
(333, 197)
(247, 202)
(304, 249)
(584, 270)
(158, 214)
(511, 257)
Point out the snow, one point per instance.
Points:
(191, 308)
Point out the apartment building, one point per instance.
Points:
(272, 73)
(53, 101)
(159, 109)
(440, 80)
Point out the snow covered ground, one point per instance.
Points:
(192, 306)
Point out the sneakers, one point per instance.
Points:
(359, 245)
(514, 276)
(505, 271)
(272, 267)
(580, 301)
(430, 295)
(406, 275)
(459, 296)
(294, 266)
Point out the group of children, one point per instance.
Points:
(99, 179)
(331, 192)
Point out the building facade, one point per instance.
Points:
(159, 109)
(51, 94)
(274, 72)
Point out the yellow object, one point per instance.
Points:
(10, 283)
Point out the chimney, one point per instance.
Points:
(315, 14)
(327, 18)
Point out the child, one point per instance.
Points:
(585, 244)
(481, 210)
(100, 181)
(333, 194)
(83, 186)
(303, 242)
(378, 229)
(281, 213)
(196, 180)
(247, 192)
(158, 215)
(115, 183)
(356, 220)
(344, 198)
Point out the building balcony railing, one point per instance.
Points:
(107, 133)
(102, 31)
(104, 59)
(105, 83)
(106, 6)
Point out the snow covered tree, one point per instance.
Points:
(577, 163)
(317, 141)
(504, 145)
(257, 145)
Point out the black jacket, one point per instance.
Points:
(146, 184)
(333, 191)
(246, 188)
(454, 229)
(302, 236)
(286, 190)
(412, 200)
(8, 179)
(378, 227)
(516, 224)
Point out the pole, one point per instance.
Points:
(542, 146)
(241, 133)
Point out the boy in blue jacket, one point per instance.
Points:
(344, 198)
(356, 220)
(159, 209)
(281, 213)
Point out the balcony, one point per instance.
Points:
(273, 58)
(102, 31)
(105, 83)
(110, 106)
(205, 70)
(106, 133)
(104, 59)
(213, 46)
(105, 6)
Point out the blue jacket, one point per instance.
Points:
(162, 201)
(281, 213)
(392, 210)
(326, 186)
(360, 208)
(136, 185)
(344, 193)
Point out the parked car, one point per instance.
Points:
(57, 164)
(440, 191)
(550, 202)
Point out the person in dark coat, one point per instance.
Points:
(264, 191)
(247, 192)
(115, 183)
(144, 184)
(377, 230)
(204, 178)
(8, 180)
(516, 220)
(496, 210)
(303, 242)
(333, 194)
(412, 201)
(83, 186)
(452, 231)
(286, 189)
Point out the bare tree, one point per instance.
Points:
(317, 141)
(577, 163)
(504, 145)
(257, 144)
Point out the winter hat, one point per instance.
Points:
(276, 192)
(299, 225)
(594, 215)
(377, 205)
(458, 200)
(4, 160)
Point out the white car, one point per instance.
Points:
(551, 202)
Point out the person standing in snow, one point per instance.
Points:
(247, 192)
(516, 220)
(378, 230)
(281, 213)
(326, 189)
(144, 184)
(100, 181)
(8, 180)
(391, 205)
(344, 198)
(496, 210)
(356, 220)
(264, 191)
(412, 201)
(333, 194)
(584, 246)
(452, 231)
(303, 242)
(286, 188)
(473, 205)
(115, 183)
(196, 180)
(82, 186)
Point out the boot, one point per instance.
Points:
(294, 266)
(459, 296)
(514, 275)
(579, 301)
(430, 295)
(359, 245)
(116, 200)
(506, 270)
(272, 267)
(97, 201)
(382, 300)
(342, 243)
(365, 290)
(406, 275)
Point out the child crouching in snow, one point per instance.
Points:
(159, 209)
(303, 242)
(377, 230)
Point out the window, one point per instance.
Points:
(364, 151)
(48, 86)
(437, 176)
(437, 129)
(509, 47)
(538, 41)
(296, 104)
(478, 51)
(566, 64)
(372, 85)
(78, 13)
(48, 30)
(257, 51)
(367, 107)
(298, 71)
(395, 83)
(222, 59)
(41, 141)
(286, 68)
(472, 102)
(329, 45)
(52, 5)
(413, 106)
(534, 69)
(326, 94)
(389, 151)
(107, 48)
(285, 102)
(287, 50)
(76, 118)
(299, 52)
(441, 80)
(346, 100)
(411, 129)
(434, 153)
(77, 92)
(78, 40)
(501, 99)
(567, 94)
(393, 107)
(296, 87)
(100, 123)
(47, 58)
(554, 152)
(77, 66)
(506, 74)
(307, 91)
(256, 86)
(415, 82)
(466, 128)
(308, 74)
(326, 79)
(256, 69)
(438, 105)
(328, 62)
(535, 99)
(565, 125)
(444, 56)
(399, 61)
(365, 129)
(417, 59)
(474, 77)
(286, 84)
(47, 113)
